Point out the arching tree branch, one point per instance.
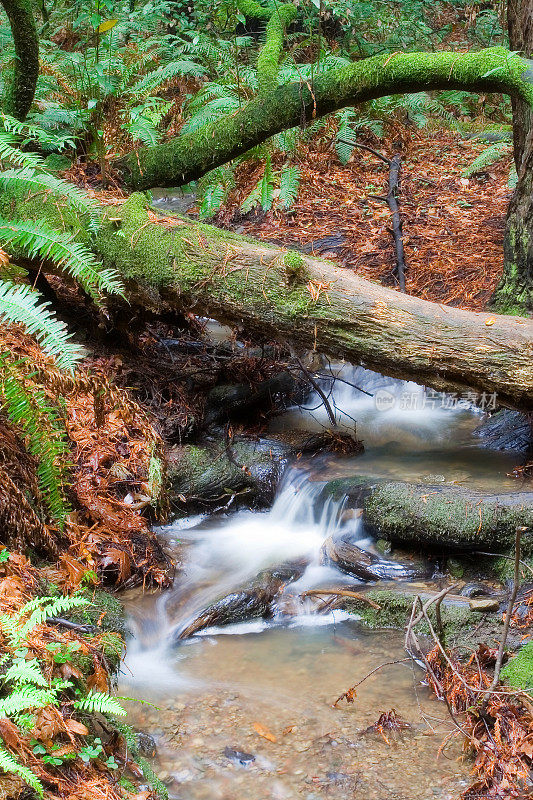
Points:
(21, 88)
(187, 157)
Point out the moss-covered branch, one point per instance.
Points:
(20, 91)
(187, 157)
(278, 16)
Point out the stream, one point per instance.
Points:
(244, 712)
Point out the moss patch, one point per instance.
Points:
(518, 671)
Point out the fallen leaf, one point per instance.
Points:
(73, 726)
(264, 732)
(490, 321)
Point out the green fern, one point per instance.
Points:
(488, 157)
(99, 703)
(10, 765)
(289, 186)
(21, 304)
(30, 180)
(161, 75)
(39, 239)
(44, 435)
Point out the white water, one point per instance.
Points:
(224, 554)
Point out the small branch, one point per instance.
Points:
(341, 593)
(392, 202)
(391, 199)
(319, 391)
(508, 616)
(350, 692)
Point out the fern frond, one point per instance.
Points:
(161, 75)
(24, 671)
(51, 608)
(37, 238)
(44, 436)
(31, 180)
(21, 304)
(10, 151)
(486, 158)
(99, 702)
(9, 764)
(289, 186)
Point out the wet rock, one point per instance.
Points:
(146, 745)
(217, 471)
(506, 430)
(474, 590)
(235, 607)
(239, 757)
(347, 556)
(484, 604)
(254, 602)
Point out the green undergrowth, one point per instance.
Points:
(518, 672)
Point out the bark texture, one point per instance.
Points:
(515, 292)
(19, 93)
(190, 156)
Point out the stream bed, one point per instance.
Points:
(245, 711)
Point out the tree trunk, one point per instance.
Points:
(18, 95)
(515, 292)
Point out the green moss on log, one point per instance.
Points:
(189, 156)
(20, 90)
(438, 516)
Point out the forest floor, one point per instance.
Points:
(452, 226)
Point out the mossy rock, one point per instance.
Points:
(518, 672)
(458, 620)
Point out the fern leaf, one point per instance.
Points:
(39, 239)
(289, 186)
(488, 157)
(9, 764)
(21, 304)
(101, 703)
(31, 180)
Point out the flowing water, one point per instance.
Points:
(245, 711)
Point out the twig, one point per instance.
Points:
(349, 692)
(508, 616)
(319, 391)
(341, 593)
(391, 199)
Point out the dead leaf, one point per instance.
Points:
(264, 732)
(73, 726)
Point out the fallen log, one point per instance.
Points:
(170, 264)
(442, 517)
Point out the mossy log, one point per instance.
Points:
(442, 517)
(19, 92)
(170, 265)
(191, 155)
